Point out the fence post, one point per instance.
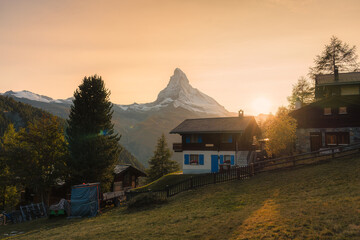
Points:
(45, 212)
(238, 173)
(214, 178)
(191, 182)
(252, 169)
(167, 191)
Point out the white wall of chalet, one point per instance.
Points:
(206, 168)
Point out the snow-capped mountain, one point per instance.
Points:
(179, 93)
(36, 97)
(141, 124)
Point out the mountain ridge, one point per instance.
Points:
(142, 124)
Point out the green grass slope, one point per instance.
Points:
(312, 202)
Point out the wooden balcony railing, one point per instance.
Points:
(177, 147)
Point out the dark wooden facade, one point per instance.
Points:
(234, 140)
(126, 176)
(328, 123)
(327, 85)
(313, 115)
(216, 142)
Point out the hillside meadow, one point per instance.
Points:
(312, 202)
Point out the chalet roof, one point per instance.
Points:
(214, 125)
(122, 168)
(344, 78)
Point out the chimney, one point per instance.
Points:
(336, 73)
(241, 113)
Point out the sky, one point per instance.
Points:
(244, 54)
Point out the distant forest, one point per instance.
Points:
(20, 114)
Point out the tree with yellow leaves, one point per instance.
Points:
(281, 131)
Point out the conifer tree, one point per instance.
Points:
(303, 91)
(93, 145)
(160, 163)
(335, 55)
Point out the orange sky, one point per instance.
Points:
(234, 51)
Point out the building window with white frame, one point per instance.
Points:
(194, 159)
(227, 159)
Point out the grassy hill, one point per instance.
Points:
(312, 202)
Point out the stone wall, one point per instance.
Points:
(302, 143)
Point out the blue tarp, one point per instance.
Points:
(85, 200)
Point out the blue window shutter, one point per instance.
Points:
(221, 159)
(186, 159)
(187, 139)
(232, 160)
(199, 139)
(230, 139)
(201, 159)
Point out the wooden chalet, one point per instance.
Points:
(126, 176)
(210, 144)
(330, 122)
(338, 84)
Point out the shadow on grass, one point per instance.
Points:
(34, 226)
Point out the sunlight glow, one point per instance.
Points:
(261, 105)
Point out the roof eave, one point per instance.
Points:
(337, 83)
(202, 132)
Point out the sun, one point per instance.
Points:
(261, 105)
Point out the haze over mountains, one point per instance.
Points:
(141, 124)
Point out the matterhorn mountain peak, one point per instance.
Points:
(179, 76)
(179, 93)
(178, 84)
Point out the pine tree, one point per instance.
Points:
(160, 163)
(93, 145)
(335, 55)
(303, 91)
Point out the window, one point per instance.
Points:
(227, 159)
(342, 110)
(193, 138)
(343, 138)
(194, 159)
(337, 138)
(196, 139)
(226, 138)
(330, 139)
(350, 90)
(327, 111)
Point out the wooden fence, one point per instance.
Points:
(307, 158)
(254, 168)
(198, 181)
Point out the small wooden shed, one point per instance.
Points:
(126, 176)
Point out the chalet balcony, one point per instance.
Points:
(177, 147)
